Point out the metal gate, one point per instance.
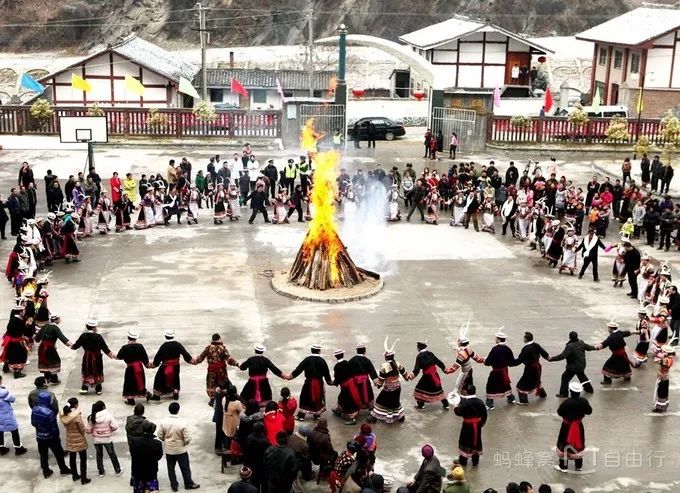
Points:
(327, 119)
(455, 120)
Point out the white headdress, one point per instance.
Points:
(389, 351)
(463, 331)
(500, 334)
(612, 324)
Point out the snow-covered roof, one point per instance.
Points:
(143, 53)
(635, 27)
(457, 27)
(155, 58)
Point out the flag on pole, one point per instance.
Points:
(597, 100)
(237, 88)
(134, 86)
(279, 88)
(185, 87)
(640, 105)
(496, 96)
(31, 84)
(547, 104)
(77, 82)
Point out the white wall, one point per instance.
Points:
(659, 62)
(388, 108)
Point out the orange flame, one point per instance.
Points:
(322, 234)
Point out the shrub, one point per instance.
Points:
(205, 111)
(519, 121)
(617, 130)
(42, 111)
(157, 120)
(95, 110)
(578, 117)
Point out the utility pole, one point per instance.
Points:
(310, 51)
(204, 48)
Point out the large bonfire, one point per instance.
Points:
(323, 261)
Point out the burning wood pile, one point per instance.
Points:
(323, 261)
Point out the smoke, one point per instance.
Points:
(364, 231)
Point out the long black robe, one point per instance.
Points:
(498, 383)
(530, 357)
(364, 374)
(429, 387)
(14, 347)
(313, 395)
(92, 368)
(134, 383)
(257, 387)
(48, 357)
(349, 398)
(473, 412)
(167, 377)
(572, 437)
(618, 364)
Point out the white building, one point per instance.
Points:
(637, 49)
(261, 86)
(105, 69)
(475, 54)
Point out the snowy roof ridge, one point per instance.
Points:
(635, 27)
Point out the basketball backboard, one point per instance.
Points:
(75, 129)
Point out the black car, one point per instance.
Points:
(385, 129)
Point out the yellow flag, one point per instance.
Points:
(78, 82)
(133, 85)
(640, 106)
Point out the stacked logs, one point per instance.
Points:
(312, 266)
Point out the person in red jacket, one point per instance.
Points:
(288, 406)
(273, 421)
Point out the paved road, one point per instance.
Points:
(204, 279)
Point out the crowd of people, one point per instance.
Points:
(260, 434)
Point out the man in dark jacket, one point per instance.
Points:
(224, 175)
(575, 354)
(272, 173)
(280, 465)
(256, 445)
(418, 196)
(40, 387)
(145, 452)
(666, 177)
(650, 221)
(428, 479)
(321, 449)
(14, 208)
(243, 485)
(657, 169)
(134, 428)
(259, 201)
(371, 133)
(632, 260)
(667, 222)
(297, 442)
(44, 420)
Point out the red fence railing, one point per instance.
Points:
(557, 129)
(176, 122)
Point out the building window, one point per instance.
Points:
(318, 93)
(287, 94)
(259, 95)
(216, 95)
(635, 63)
(618, 59)
(603, 56)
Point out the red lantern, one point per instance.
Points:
(357, 93)
(419, 95)
(541, 59)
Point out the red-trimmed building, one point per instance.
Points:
(105, 69)
(637, 49)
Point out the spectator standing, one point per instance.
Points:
(145, 453)
(25, 175)
(3, 218)
(645, 167)
(666, 177)
(656, 168)
(44, 420)
(625, 170)
(256, 446)
(177, 436)
(101, 425)
(8, 422)
(134, 428)
(371, 134)
(280, 465)
(14, 208)
(76, 443)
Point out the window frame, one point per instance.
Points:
(618, 58)
(635, 57)
(216, 90)
(602, 56)
(259, 92)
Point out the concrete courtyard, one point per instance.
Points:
(204, 279)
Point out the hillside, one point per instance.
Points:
(29, 25)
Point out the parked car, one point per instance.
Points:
(385, 129)
(602, 112)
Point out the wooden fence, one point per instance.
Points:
(176, 122)
(561, 130)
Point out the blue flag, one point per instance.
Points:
(31, 84)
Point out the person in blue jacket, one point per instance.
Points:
(44, 420)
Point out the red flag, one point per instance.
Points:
(237, 88)
(548, 99)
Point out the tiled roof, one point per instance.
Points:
(156, 58)
(266, 79)
(635, 27)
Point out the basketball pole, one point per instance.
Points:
(89, 163)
